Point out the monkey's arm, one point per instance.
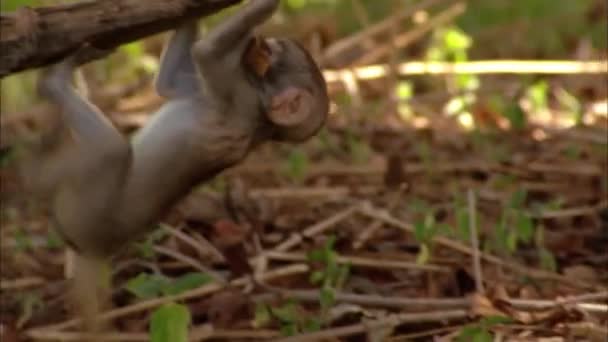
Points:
(177, 75)
(219, 55)
(236, 29)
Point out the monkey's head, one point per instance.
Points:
(292, 91)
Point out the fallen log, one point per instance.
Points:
(35, 37)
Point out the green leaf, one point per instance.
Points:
(425, 231)
(317, 255)
(329, 244)
(419, 233)
(22, 240)
(516, 116)
(419, 205)
(286, 313)
(404, 90)
(468, 333)
(468, 82)
(512, 241)
(518, 198)
(445, 229)
(146, 286)
(455, 40)
(289, 329)
(146, 247)
(343, 274)
(525, 227)
(332, 271)
(539, 236)
(490, 321)
(358, 148)
(53, 240)
(503, 181)
(483, 336)
(455, 105)
(547, 259)
(186, 282)
(435, 53)
(297, 165)
(327, 297)
(538, 95)
(170, 323)
(572, 152)
(262, 315)
(571, 103)
(501, 236)
(311, 325)
(327, 141)
(429, 221)
(464, 228)
(423, 255)
(317, 277)
(30, 303)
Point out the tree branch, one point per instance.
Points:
(35, 37)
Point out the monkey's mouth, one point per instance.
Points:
(257, 57)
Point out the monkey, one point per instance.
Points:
(226, 94)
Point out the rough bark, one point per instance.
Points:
(35, 37)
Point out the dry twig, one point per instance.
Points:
(390, 321)
(457, 246)
(475, 241)
(195, 293)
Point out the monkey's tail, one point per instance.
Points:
(91, 291)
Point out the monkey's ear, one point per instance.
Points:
(257, 57)
(290, 107)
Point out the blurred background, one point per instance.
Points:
(447, 116)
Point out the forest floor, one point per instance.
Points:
(398, 222)
(363, 230)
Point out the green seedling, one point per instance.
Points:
(331, 277)
(170, 322)
(146, 247)
(147, 286)
(290, 317)
(481, 331)
(296, 167)
(515, 226)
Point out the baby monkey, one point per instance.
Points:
(226, 94)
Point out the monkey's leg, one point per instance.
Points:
(90, 127)
(99, 157)
(177, 76)
(95, 169)
(43, 166)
